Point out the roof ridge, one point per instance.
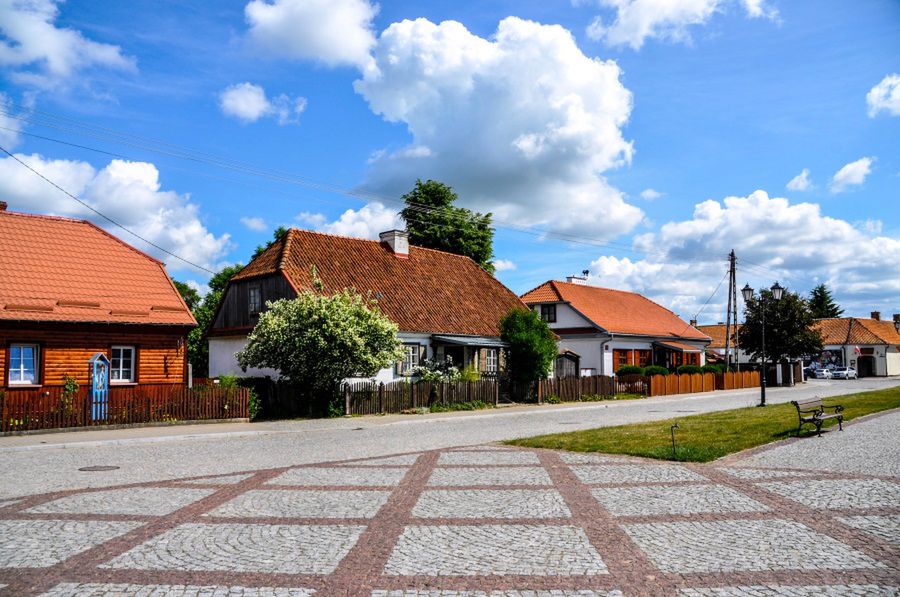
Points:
(22, 214)
(285, 242)
(376, 241)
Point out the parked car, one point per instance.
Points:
(845, 373)
(824, 374)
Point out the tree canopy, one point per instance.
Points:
(190, 295)
(789, 328)
(822, 304)
(277, 234)
(532, 345)
(435, 223)
(316, 341)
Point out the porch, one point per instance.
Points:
(484, 354)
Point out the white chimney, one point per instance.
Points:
(582, 279)
(397, 241)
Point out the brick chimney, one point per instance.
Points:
(397, 241)
(897, 319)
(876, 315)
(693, 323)
(3, 206)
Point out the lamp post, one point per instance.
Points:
(777, 292)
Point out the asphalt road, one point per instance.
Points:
(42, 463)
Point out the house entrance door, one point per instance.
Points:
(457, 354)
(865, 366)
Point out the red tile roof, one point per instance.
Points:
(717, 333)
(856, 330)
(430, 292)
(616, 311)
(60, 269)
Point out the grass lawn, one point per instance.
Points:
(706, 437)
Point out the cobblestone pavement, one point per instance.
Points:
(482, 521)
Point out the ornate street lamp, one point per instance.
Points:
(777, 293)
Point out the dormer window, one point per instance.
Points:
(548, 313)
(254, 299)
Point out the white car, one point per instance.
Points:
(845, 373)
(824, 374)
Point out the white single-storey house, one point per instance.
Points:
(601, 329)
(445, 305)
(871, 346)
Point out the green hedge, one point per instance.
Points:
(655, 370)
(712, 368)
(630, 370)
(690, 369)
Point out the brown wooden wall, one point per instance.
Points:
(66, 351)
(234, 311)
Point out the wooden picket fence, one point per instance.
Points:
(369, 397)
(689, 383)
(51, 407)
(572, 389)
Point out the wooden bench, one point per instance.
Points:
(812, 412)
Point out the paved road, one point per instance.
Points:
(35, 464)
(481, 521)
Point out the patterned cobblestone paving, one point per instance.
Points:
(480, 521)
(147, 501)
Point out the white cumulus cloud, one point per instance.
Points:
(248, 103)
(885, 97)
(638, 20)
(334, 32)
(504, 265)
(44, 54)
(254, 223)
(651, 194)
(521, 124)
(11, 123)
(366, 222)
(851, 175)
(128, 192)
(801, 182)
(774, 240)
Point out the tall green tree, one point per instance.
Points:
(316, 341)
(532, 345)
(822, 304)
(191, 296)
(277, 234)
(204, 311)
(435, 223)
(789, 328)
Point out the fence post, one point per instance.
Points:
(381, 397)
(412, 393)
(496, 383)
(346, 400)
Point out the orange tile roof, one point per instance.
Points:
(430, 292)
(60, 269)
(717, 333)
(856, 330)
(616, 311)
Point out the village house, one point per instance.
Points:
(73, 295)
(715, 352)
(445, 305)
(601, 329)
(871, 346)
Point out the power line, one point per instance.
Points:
(106, 217)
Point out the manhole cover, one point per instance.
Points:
(98, 468)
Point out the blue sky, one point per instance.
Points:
(639, 139)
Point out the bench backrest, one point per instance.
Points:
(808, 405)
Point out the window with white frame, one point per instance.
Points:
(254, 299)
(23, 364)
(121, 366)
(410, 359)
(491, 362)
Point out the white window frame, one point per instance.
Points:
(115, 374)
(491, 360)
(410, 360)
(259, 304)
(21, 369)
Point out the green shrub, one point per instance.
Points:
(655, 370)
(470, 373)
(630, 370)
(473, 405)
(254, 405)
(552, 399)
(689, 369)
(712, 368)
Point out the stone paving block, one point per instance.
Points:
(585, 458)
(503, 593)
(839, 493)
(337, 476)
(128, 590)
(743, 545)
(402, 460)
(450, 550)
(148, 501)
(288, 549)
(489, 457)
(304, 504)
(522, 475)
(42, 543)
(635, 473)
(221, 480)
(884, 527)
(763, 473)
(793, 591)
(491, 503)
(674, 499)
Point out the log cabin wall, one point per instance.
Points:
(234, 312)
(64, 350)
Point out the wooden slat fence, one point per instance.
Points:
(668, 385)
(51, 408)
(570, 389)
(369, 397)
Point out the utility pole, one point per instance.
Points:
(732, 307)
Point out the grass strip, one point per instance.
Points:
(707, 437)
